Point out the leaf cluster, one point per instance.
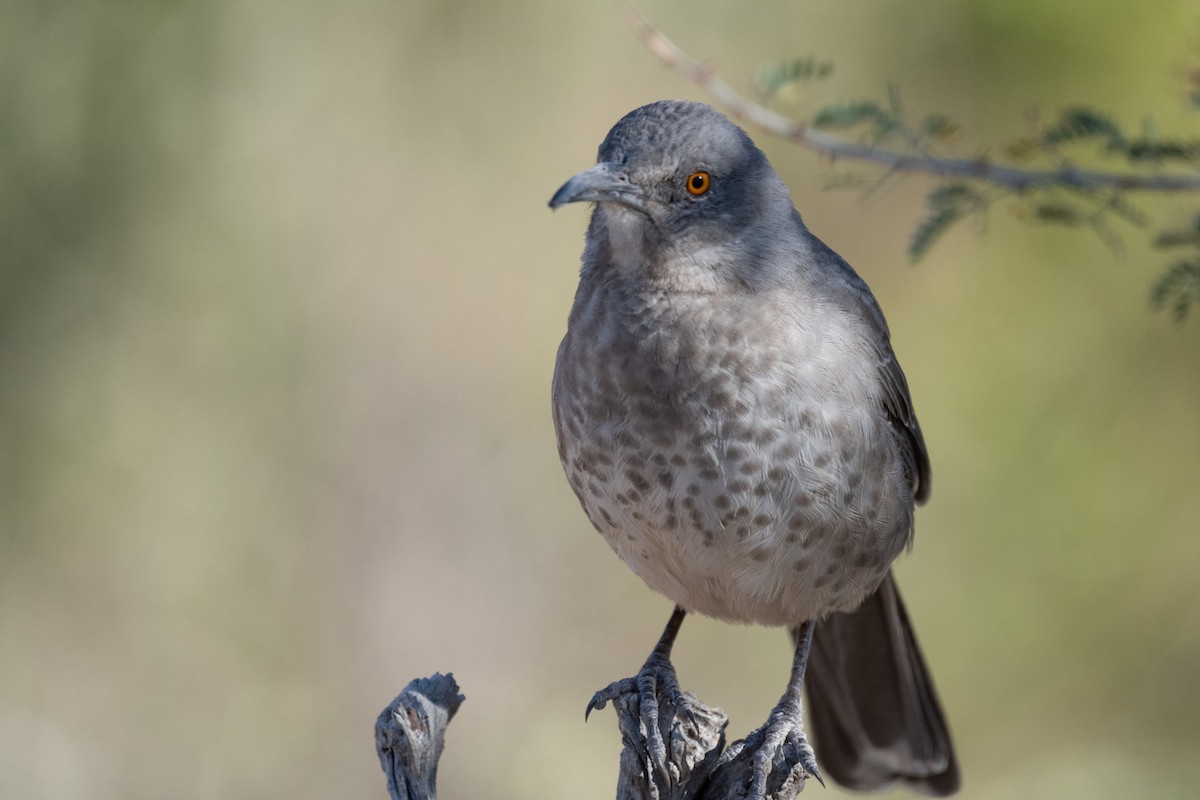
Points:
(1081, 124)
(1056, 202)
(947, 205)
(773, 78)
(1178, 288)
(885, 124)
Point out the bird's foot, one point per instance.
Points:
(782, 758)
(661, 708)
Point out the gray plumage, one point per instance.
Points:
(731, 415)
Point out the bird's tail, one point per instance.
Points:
(874, 714)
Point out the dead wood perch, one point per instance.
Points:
(410, 734)
(411, 731)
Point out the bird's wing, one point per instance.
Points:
(845, 286)
(897, 403)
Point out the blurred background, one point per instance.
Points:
(279, 302)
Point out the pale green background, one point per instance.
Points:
(279, 301)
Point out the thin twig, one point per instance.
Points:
(747, 110)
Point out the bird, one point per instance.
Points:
(732, 417)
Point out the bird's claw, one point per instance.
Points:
(656, 689)
(779, 747)
(609, 693)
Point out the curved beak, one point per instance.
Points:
(602, 183)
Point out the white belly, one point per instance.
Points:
(764, 491)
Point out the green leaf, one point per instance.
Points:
(1148, 150)
(849, 114)
(773, 77)
(953, 195)
(1178, 289)
(1180, 237)
(938, 126)
(1058, 213)
(931, 229)
(1083, 123)
(1177, 238)
(947, 205)
(1126, 210)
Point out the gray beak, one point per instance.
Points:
(602, 183)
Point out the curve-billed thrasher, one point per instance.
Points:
(733, 419)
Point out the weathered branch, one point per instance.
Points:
(747, 110)
(693, 746)
(410, 732)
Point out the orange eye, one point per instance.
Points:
(697, 183)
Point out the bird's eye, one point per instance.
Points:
(698, 183)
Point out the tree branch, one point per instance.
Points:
(410, 734)
(747, 110)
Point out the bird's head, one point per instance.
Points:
(676, 181)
